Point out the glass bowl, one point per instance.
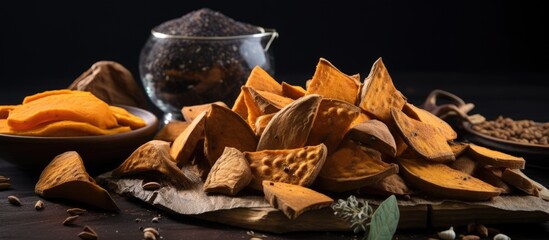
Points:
(179, 71)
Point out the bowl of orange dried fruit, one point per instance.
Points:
(49, 123)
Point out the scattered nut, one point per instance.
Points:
(70, 220)
(76, 211)
(14, 200)
(39, 205)
(149, 235)
(482, 231)
(138, 220)
(155, 219)
(501, 236)
(151, 186)
(153, 230)
(470, 237)
(89, 229)
(447, 234)
(87, 235)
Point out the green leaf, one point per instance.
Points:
(384, 220)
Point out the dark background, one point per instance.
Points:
(432, 44)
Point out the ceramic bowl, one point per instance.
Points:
(99, 153)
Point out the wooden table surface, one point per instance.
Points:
(24, 222)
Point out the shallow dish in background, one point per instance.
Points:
(536, 155)
(99, 153)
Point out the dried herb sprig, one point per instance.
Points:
(384, 219)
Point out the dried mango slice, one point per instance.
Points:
(230, 173)
(495, 158)
(290, 127)
(63, 129)
(36, 96)
(329, 82)
(379, 94)
(153, 156)
(332, 121)
(65, 177)
(259, 79)
(440, 180)
(191, 112)
(185, 143)
(294, 200)
(299, 166)
(225, 128)
(351, 167)
(78, 107)
(5, 110)
(292, 91)
(426, 117)
(375, 134)
(125, 118)
(422, 138)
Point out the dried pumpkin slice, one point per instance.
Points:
(230, 173)
(495, 158)
(125, 118)
(261, 103)
(185, 143)
(422, 138)
(191, 112)
(426, 117)
(5, 110)
(518, 179)
(63, 129)
(330, 82)
(292, 91)
(65, 177)
(290, 127)
(294, 200)
(332, 121)
(298, 166)
(259, 79)
(379, 94)
(78, 107)
(440, 180)
(351, 167)
(261, 123)
(458, 148)
(375, 134)
(171, 130)
(225, 128)
(153, 156)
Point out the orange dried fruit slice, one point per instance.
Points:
(5, 110)
(294, 200)
(426, 117)
(299, 166)
(225, 128)
(185, 143)
(63, 129)
(330, 82)
(191, 112)
(171, 130)
(261, 103)
(65, 177)
(290, 127)
(125, 118)
(351, 167)
(333, 120)
(292, 91)
(259, 79)
(261, 123)
(440, 180)
(495, 158)
(379, 94)
(78, 107)
(423, 138)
